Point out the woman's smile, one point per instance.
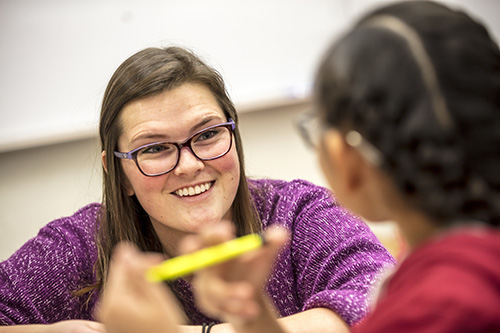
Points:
(193, 190)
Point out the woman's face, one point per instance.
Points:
(174, 115)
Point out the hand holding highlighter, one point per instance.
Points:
(177, 267)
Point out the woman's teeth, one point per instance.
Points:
(190, 191)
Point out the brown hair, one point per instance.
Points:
(146, 73)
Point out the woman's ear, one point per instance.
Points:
(103, 160)
(128, 186)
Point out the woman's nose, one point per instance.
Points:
(188, 162)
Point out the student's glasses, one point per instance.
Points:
(159, 158)
(311, 128)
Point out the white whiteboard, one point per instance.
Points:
(57, 55)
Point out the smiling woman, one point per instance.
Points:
(173, 161)
(188, 111)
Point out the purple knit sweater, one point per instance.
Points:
(332, 260)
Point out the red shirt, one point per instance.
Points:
(449, 284)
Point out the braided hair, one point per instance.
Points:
(421, 83)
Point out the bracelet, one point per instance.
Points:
(209, 327)
(205, 328)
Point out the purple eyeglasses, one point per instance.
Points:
(159, 158)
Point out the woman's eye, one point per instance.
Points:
(155, 149)
(207, 135)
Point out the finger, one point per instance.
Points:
(130, 288)
(276, 238)
(114, 285)
(254, 265)
(242, 308)
(191, 243)
(135, 268)
(128, 269)
(118, 266)
(261, 261)
(215, 295)
(217, 234)
(210, 236)
(237, 299)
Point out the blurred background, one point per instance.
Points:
(57, 56)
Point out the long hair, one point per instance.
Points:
(146, 73)
(421, 83)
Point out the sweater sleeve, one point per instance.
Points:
(337, 257)
(37, 281)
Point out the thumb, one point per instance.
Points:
(275, 238)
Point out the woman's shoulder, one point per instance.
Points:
(60, 258)
(280, 182)
(295, 188)
(74, 233)
(69, 238)
(84, 218)
(280, 200)
(78, 229)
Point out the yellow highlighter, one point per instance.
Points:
(177, 267)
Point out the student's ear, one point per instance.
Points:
(356, 182)
(347, 161)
